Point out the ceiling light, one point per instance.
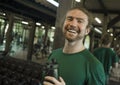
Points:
(53, 27)
(111, 34)
(43, 27)
(4, 14)
(78, 0)
(53, 2)
(23, 22)
(38, 23)
(108, 30)
(98, 20)
(114, 38)
(97, 30)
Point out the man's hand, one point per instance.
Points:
(54, 80)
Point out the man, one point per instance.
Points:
(106, 55)
(77, 66)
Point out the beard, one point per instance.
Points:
(73, 34)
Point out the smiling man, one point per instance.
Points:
(77, 66)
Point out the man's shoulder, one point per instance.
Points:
(57, 50)
(99, 49)
(92, 59)
(94, 65)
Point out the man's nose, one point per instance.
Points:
(73, 22)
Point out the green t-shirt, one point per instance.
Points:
(80, 68)
(107, 57)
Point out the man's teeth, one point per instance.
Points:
(72, 31)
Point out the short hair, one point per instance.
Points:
(89, 15)
(106, 39)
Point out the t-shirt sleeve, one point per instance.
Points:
(115, 58)
(97, 75)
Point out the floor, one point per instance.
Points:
(20, 53)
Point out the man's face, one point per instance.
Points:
(75, 25)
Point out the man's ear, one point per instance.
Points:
(87, 31)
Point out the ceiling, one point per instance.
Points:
(41, 10)
(105, 8)
(29, 8)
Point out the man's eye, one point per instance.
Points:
(69, 18)
(80, 21)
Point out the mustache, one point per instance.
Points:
(72, 28)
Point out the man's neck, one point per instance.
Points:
(106, 46)
(73, 47)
